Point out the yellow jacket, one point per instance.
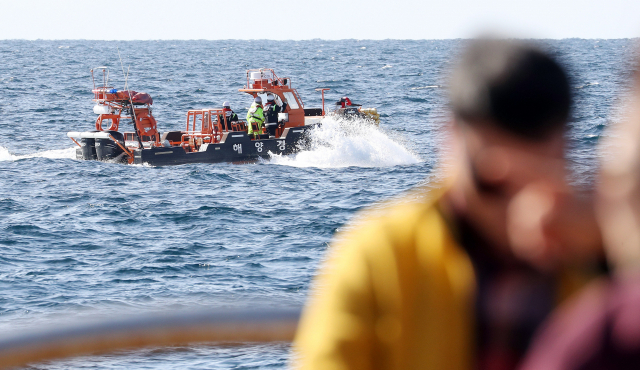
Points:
(398, 294)
(255, 115)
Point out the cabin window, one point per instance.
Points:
(190, 121)
(263, 96)
(291, 100)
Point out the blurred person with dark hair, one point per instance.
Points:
(444, 279)
(600, 327)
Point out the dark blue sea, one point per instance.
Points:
(84, 238)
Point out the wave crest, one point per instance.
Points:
(68, 153)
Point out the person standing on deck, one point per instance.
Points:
(271, 110)
(228, 115)
(255, 116)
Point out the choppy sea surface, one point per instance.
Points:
(84, 237)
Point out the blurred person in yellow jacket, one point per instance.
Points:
(454, 276)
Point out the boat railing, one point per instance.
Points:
(259, 78)
(64, 340)
(206, 118)
(105, 77)
(194, 140)
(295, 92)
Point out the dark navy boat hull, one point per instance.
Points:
(233, 147)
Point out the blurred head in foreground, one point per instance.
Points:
(513, 86)
(511, 104)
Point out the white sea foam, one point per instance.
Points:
(587, 84)
(68, 153)
(425, 87)
(342, 142)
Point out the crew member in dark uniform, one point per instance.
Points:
(230, 116)
(271, 110)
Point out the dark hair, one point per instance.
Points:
(513, 85)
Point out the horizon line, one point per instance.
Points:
(319, 39)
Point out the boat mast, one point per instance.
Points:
(133, 111)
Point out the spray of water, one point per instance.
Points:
(68, 153)
(340, 142)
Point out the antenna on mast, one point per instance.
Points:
(133, 111)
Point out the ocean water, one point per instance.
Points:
(80, 238)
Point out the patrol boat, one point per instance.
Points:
(207, 138)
